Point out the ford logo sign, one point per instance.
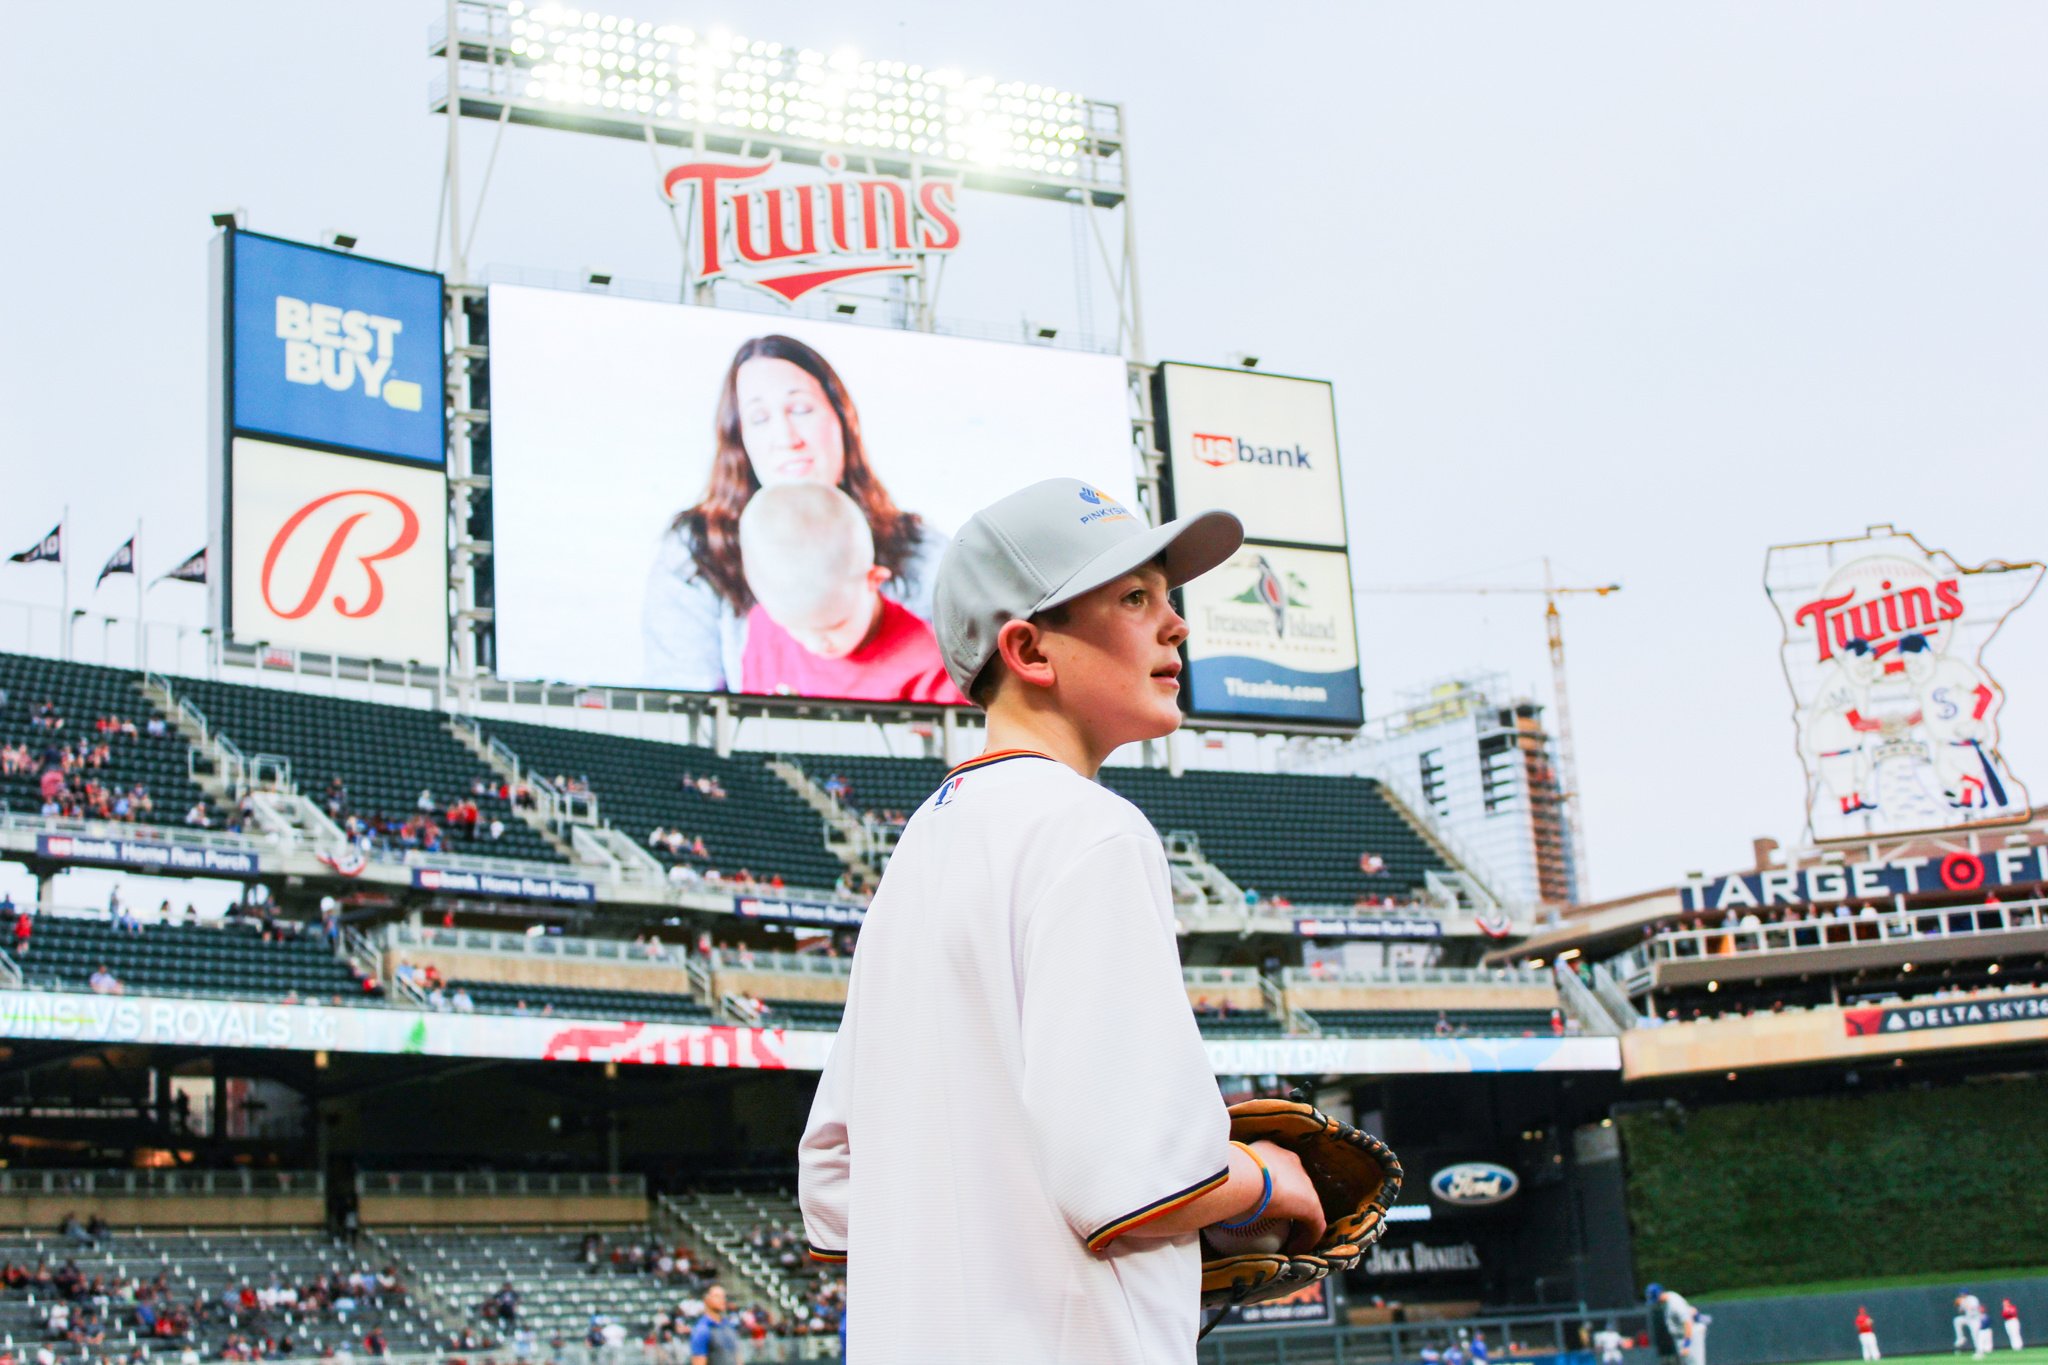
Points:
(1474, 1183)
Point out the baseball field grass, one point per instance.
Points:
(1866, 1283)
(2033, 1355)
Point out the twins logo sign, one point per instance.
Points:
(337, 554)
(335, 350)
(791, 239)
(1897, 716)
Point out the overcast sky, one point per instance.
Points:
(1644, 288)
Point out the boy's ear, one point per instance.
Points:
(877, 576)
(1021, 646)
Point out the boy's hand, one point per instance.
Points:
(1294, 1196)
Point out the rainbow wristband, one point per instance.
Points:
(1264, 1199)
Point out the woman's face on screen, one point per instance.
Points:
(788, 425)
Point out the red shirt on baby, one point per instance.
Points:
(899, 661)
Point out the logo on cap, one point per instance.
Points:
(1111, 510)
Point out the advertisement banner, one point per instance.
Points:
(1897, 719)
(75, 1016)
(1271, 633)
(149, 854)
(1421, 1258)
(1261, 445)
(819, 914)
(633, 443)
(337, 554)
(1387, 927)
(1834, 884)
(335, 349)
(1312, 1305)
(1871, 1021)
(505, 886)
(1409, 1056)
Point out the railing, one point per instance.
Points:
(161, 1181)
(141, 834)
(10, 970)
(1832, 933)
(614, 951)
(785, 964)
(1581, 1006)
(1220, 976)
(1610, 994)
(272, 772)
(626, 1184)
(1409, 802)
(481, 862)
(234, 764)
(1476, 977)
(1538, 1334)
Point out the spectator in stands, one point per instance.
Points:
(104, 982)
(460, 1002)
(497, 829)
(23, 927)
(837, 787)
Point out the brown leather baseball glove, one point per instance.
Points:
(1357, 1176)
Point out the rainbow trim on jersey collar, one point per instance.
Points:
(1158, 1208)
(998, 756)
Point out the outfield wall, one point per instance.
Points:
(1781, 1331)
(1839, 1188)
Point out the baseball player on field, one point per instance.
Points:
(1969, 1317)
(1866, 1333)
(1687, 1324)
(1608, 1343)
(1018, 1137)
(2009, 1311)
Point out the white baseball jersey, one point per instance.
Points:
(1018, 1083)
(1678, 1314)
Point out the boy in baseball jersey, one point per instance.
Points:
(1017, 1137)
(1866, 1333)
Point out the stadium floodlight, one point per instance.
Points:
(565, 67)
(1244, 361)
(340, 241)
(236, 217)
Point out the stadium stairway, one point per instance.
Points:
(757, 825)
(722, 1222)
(205, 1263)
(384, 756)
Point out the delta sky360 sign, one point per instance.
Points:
(1884, 651)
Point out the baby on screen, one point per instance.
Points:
(820, 627)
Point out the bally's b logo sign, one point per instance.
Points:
(338, 554)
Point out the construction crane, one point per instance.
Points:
(1553, 629)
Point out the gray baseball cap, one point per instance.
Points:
(1049, 544)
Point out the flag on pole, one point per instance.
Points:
(50, 547)
(123, 561)
(192, 570)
